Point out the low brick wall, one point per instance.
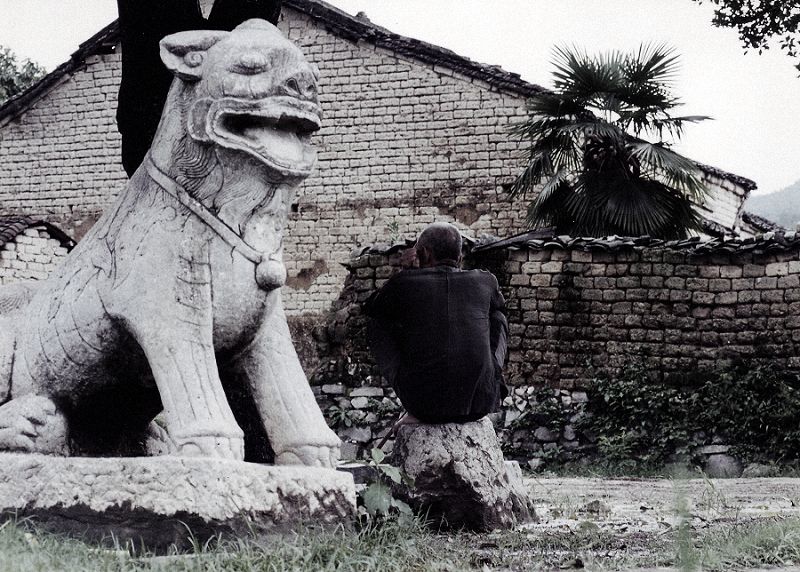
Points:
(31, 255)
(681, 307)
(576, 307)
(580, 307)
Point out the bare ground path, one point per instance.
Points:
(642, 516)
(648, 502)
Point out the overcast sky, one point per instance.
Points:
(754, 99)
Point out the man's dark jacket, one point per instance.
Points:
(439, 335)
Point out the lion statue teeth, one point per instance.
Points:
(171, 305)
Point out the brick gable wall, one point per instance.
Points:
(403, 143)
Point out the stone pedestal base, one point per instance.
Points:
(460, 479)
(156, 502)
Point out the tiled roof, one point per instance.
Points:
(356, 29)
(743, 182)
(102, 42)
(760, 223)
(762, 244)
(13, 225)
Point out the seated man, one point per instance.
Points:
(439, 333)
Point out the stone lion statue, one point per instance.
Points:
(172, 302)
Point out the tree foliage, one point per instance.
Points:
(16, 76)
(759, 21)
(589, 148)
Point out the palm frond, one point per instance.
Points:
(538, 167)
(554, 105)
(583, 77)
(673, 169)
(599, 129)
(598, 176)
(653, 64)
(547, 210)
(640, 207)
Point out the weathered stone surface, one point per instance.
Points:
(357, 434)
(721, 466)
(545, 435)
(367, 392)
(712, 449)
(460, 478)
(757, 470)
(186, 266)
(158, 501)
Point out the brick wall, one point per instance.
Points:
(680, 306)
(577, 308)
(60, 159)
(32, 255)
(679, 310)
(403, 143)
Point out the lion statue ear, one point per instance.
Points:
(184, 53)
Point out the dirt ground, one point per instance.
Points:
(646, 510)
(646, 504)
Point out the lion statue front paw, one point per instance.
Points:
(310, 455)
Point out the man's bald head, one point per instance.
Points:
(439, 242)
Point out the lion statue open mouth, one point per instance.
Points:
(171, 304)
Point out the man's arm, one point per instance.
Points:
(498, 326)
(381, 331)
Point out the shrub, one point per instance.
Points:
(635, 418)
(750, 405)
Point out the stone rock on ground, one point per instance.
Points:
(721, 466)
(460, 479)
(756, 470)
(155, 501)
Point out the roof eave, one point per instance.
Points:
(94, 45)
(357, 29)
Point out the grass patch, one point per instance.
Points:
(390, 548)
(410, 548)
(748, 545)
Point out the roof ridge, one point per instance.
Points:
(761, 223)
(770, 242)
(744, 182)
(355, 28)
(20, 102)
(349, 27)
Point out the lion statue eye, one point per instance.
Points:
(193, 59)
(250, 63)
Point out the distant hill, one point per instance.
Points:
(782, 207)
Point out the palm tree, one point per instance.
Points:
(600, 175)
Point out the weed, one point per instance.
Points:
(377, 501)
(712, 499)
(394, 232)
(687, 557)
